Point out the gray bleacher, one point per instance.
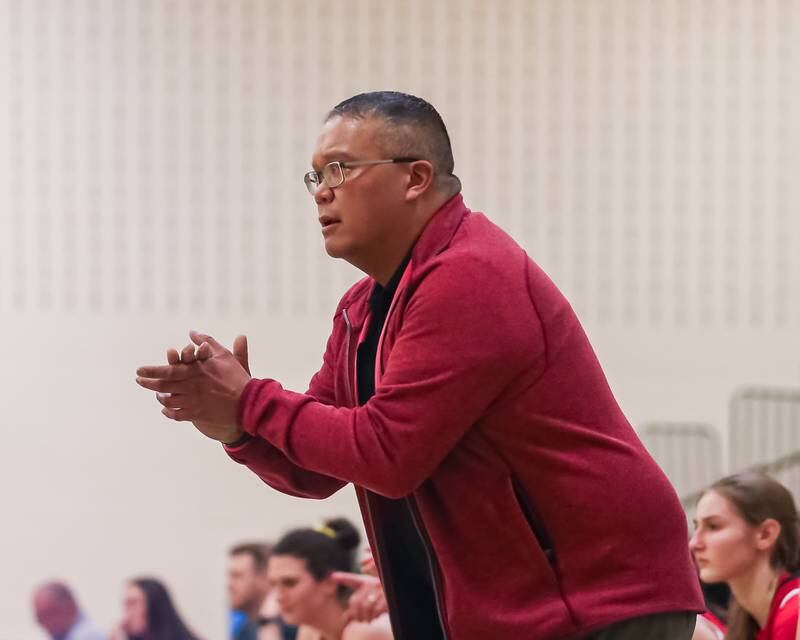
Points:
(763, 432)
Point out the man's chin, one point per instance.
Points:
(335, 249)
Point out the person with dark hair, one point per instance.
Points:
(248, 591)
(58, 613)
(747, 534)
(149, 614)
(504, 493)
(301, 571)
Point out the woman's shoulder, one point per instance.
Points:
(787, 611)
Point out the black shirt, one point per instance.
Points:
(403, 559)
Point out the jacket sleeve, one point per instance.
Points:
(463, 339)
(271, 464)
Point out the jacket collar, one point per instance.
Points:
(439, 231)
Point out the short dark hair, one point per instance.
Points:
(258, 551)
(59, 593)
(419, 130)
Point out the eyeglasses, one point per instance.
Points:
(332, 174)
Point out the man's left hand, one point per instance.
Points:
(204, 389)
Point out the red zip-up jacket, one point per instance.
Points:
(545, 516)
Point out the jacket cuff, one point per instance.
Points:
(238, 443)
(241, 409)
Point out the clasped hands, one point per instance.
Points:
(202, 384)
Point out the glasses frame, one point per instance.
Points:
(314, 179)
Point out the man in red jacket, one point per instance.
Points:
(503, 491)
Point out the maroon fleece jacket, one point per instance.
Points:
(545, 515)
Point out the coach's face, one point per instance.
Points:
(359, 216)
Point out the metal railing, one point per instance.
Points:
(689, 453)
(763, 433)
(764, 426)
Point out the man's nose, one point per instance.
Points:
(323, 194)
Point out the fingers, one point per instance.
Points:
(179, 415)
(173, 357)
(240, 351)
(187, 354)
(368, 564)
(173, 400)
(374, 605)
(204, 351)
(353, 580)
(163, 386)
(172, 372)
(199, 338)
(365, 604)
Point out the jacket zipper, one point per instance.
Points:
(435, 578)
(348, 335)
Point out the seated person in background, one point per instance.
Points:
(248, 591)
(301, 571)
(747, 535)
(58, 613)
(149, 614)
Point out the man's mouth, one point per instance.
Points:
(327, 221)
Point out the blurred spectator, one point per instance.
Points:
(149, 614)
(58, 613)
(747, 535)
(236, 621)
(301, 572)
(248, 592)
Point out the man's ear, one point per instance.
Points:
(420, 179)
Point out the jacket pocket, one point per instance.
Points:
(538, 529)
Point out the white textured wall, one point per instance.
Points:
(644, 152)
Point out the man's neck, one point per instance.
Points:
(389, 264)
(383, 265)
